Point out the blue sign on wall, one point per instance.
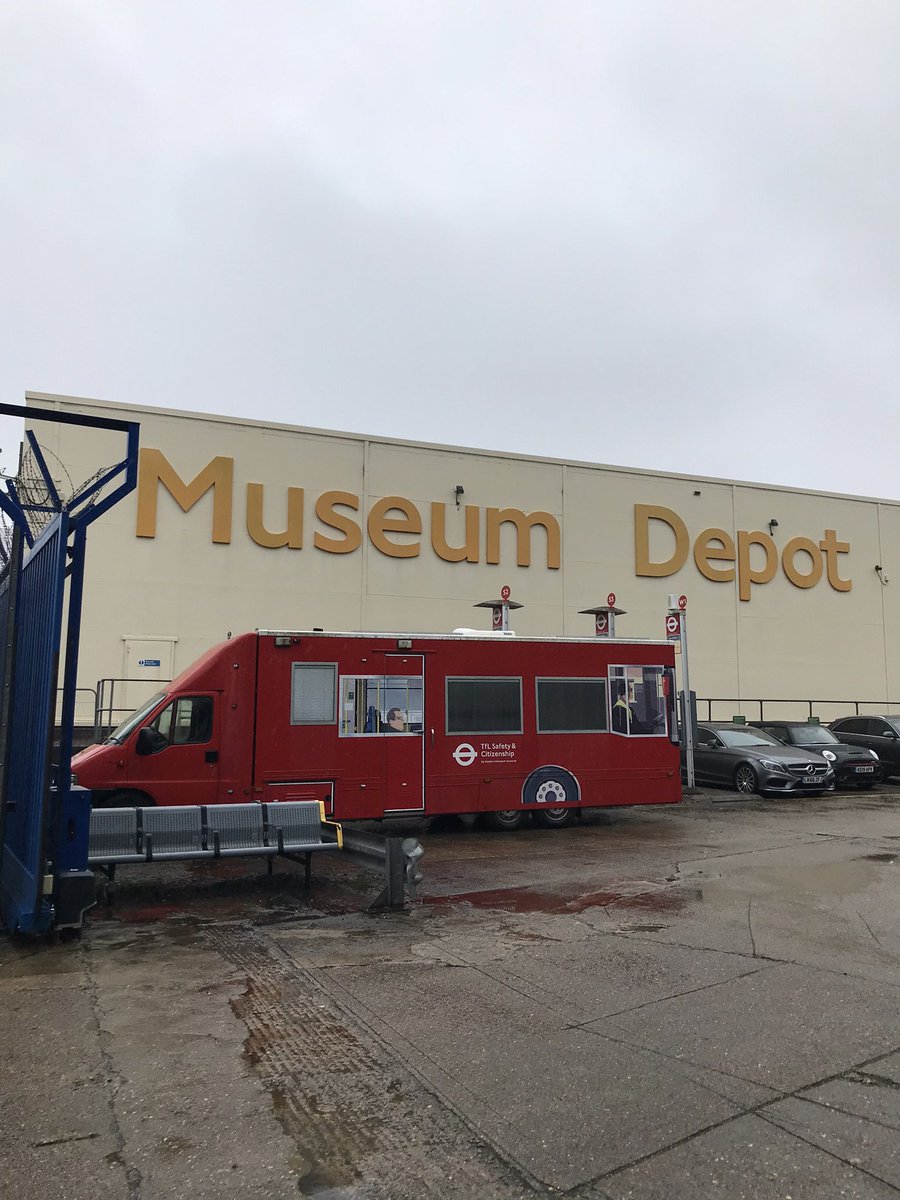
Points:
(148, 662)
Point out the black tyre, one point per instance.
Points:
(745, 780)
(126, 799)
(506, 820)
(554, 818)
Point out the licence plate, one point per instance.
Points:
(864, 770)
(807, 779)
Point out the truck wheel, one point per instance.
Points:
(506, 819)
(127, 799)
(554, 818)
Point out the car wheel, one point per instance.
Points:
(745, 780)
(506, 819)
(554, 818)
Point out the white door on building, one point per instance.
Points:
(148, 664)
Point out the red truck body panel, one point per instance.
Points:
(480, 723)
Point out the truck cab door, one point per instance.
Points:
(175, 759)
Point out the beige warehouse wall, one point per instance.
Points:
(786, 641)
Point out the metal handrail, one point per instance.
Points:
(873, 706)
(92, 692)
(106, 707)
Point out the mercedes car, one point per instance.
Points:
(856, 765)
(752, 761)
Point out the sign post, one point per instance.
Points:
(605, 616)
(676, 631)
(500, 610)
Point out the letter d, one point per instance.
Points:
(643, 515)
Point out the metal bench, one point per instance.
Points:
(135, 835)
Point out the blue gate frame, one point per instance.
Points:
(44, 879)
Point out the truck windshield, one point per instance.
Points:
(121, 733)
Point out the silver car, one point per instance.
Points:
(751, 760)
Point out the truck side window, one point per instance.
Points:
(381, 704)
(185, 721)
(637, 701)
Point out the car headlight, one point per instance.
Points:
(829, 754)
(771, 766)
(874, 755)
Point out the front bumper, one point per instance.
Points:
(851, 773)
(786, 783)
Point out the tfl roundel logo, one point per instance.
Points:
(465, 754)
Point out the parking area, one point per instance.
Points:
(674, 1002)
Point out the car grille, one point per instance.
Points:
(808, 769)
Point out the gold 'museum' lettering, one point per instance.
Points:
(745, 564)
(292, 536)
(154, 467)
(380, 523)
(524, 523)
(325, 511)
(470, 551)
(390, 514)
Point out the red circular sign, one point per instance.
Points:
(672, 624)
(504, 593)
(611, 599)
(682, 602)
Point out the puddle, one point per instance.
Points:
(526, 900)
(878, 858)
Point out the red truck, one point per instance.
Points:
(378, 724)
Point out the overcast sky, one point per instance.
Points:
(660, 234)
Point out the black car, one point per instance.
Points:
(751, 760)
(852, 764)
(879, 733)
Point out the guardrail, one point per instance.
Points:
(801, 709)
(397, 857)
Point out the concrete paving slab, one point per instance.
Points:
(604, 974)
(871, 1092)
(873, 1147)
(746, 1159)
(787, 1027)
(565, 1105)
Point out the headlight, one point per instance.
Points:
(829, 754)
(874, 755)
(771, 766)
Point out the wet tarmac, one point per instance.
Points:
(662, 1002)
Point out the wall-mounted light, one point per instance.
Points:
(879, 571)
(458, 491)
(773, 525)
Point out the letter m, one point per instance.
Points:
(154, 468)
(524, 523)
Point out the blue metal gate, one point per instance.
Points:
(33, 693)
(44, 878)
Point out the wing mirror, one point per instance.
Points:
(148, 742)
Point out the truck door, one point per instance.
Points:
(175, 759)
(403, 723)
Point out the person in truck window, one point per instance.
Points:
(395, 721)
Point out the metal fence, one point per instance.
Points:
(723, 708)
